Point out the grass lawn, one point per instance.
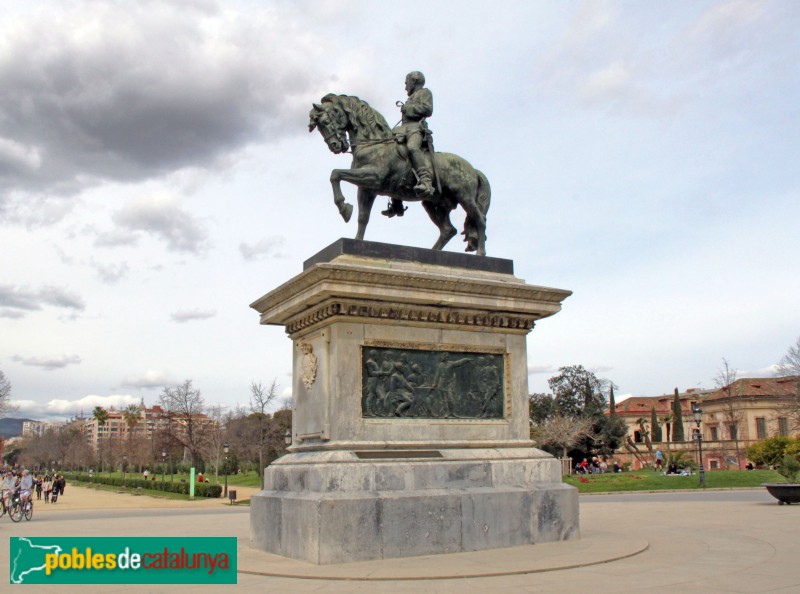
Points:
(649, 480)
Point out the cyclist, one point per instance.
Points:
(25, 486)
(7, 485)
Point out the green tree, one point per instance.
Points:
(578, 392)
(577, 395)
(540, 407)
(655, 428)
(612, 404)
(677, 419)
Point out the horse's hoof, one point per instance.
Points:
(346, 211)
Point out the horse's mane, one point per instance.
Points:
(362, 116)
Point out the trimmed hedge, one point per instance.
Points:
(200, 489)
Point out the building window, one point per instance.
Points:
(733, 430)
(761, 428)
(783, 426)
(714, 464)
(637, 437)
(714, 434)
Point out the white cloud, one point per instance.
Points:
(263, 248)
(14, 155)
(189, 315)
(48, 363)
(116, 237)
(161, 215)
(61, 408)
(151, 379)
(24, 299)
(111, 273)
(539, 369)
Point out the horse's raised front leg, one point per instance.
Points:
(358, 177)
(441, 218)
(345, 209)
(366, 198)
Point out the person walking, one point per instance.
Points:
(47, 487)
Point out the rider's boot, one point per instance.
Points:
(424, 188)
(395, 208)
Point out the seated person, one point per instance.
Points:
(672, 468)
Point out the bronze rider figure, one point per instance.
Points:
(413, 130)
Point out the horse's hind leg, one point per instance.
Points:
(366, 199)
(440, 216)
(478, 219)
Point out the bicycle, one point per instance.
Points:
(17, 511)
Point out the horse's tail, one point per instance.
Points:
(483, 197)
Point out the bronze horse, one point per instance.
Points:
(380, 167)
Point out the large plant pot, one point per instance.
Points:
(784, 492)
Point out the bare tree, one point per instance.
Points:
(260, 399)
(212, 444)
(561, 431)
(732, 411)
(184, 406)
(5, 396)
(789, 366)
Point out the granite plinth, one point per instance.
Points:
(325, 507)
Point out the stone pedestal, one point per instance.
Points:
(410, 427)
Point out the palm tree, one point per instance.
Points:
(131, 416)
(101, 416)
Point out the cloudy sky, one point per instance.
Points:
(157, 176)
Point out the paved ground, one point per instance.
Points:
(710, 542)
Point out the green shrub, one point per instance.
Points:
(200, 490)
(770, 452)
(790, 469)
(683, 459)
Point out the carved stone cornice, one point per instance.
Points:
(361, 288)
(410, 313)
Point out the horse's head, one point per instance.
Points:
(332, 124)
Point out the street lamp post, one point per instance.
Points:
(163, 466)
(225, 448)
(697, 412)
(124, 467)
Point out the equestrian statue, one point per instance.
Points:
(400, 163)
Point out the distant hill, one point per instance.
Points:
(11, 427)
